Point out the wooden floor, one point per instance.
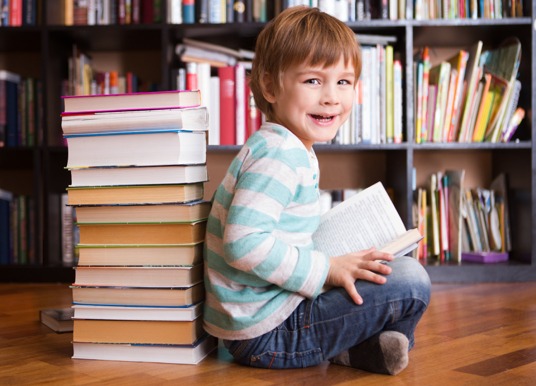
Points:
(481, 334)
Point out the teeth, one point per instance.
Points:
(322, 118)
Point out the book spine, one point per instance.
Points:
(188, 11)
(227, 105)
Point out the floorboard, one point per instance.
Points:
(482, 334)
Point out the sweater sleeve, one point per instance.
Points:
(260, 235)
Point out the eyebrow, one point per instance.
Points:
(314, 72)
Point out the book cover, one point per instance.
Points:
(138, 331)
(142, 233)
(176, 354)
(367, 219)
(135, 194)
(119, 312)
(144, 276)
(158, 147)
(139, 296)
(57, 319)
(132, 101)
(140, 254)
(485, 257)
(138, 175)
(191, 211)
(195, 118)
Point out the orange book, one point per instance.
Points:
(142, 233)
(131, 194)
(138, 331)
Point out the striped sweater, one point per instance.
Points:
(259, 257)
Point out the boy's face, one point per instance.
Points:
(314, 102)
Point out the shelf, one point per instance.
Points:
(148, 50)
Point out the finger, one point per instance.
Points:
(364, 274)
(352, 291)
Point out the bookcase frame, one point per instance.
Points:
(42, 51)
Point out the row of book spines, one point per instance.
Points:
(377, 114)
(21, 112)
(467, 9)
(105, 12)
(124, 12)
(17, 224)
(228, 98)
(85, 79)
(16, 13)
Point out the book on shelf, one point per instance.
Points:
(190, 119)
(6, 199)
(458, 62)
(367, 219)
(142, 276)
(157, 147)
(227, 105)
(140, 254)
(485, 101)
(138, 175)
(142, 233)
(191, 211)
(176, 354)
(57, 319)
(454, 223)
(131, 101)
(138, 331)
(139, 296)
(503, 62)
(485, 257)
(120, 312)
(440, 77)
(135, 194)
(473, 74)
(9, 111)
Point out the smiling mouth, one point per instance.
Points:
(322, 118)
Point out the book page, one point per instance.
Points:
(367, 219)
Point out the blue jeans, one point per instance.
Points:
(321, 328)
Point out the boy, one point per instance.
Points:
(263, 276)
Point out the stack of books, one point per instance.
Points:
(138, 168)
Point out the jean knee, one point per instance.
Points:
(415, 277)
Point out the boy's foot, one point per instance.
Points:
(384, 353)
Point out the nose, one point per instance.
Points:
(330, 94)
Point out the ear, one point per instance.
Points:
(268, 89)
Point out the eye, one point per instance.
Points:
(312, 81)
(345, 82)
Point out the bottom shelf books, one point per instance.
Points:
(460, 223)
(178, 354)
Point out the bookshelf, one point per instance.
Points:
(42, 50)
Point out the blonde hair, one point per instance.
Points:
(297, 36)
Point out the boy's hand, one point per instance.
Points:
(365, 265)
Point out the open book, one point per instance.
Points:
(367, 219)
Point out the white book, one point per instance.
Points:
(214, 112)
(119, 312)
(240, 100)
(176, 354)
(367, 219)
